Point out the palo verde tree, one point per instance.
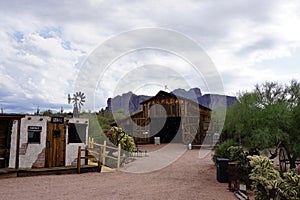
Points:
(267, 117)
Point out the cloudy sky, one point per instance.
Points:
(44, 45)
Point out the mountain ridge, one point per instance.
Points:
(130, 102)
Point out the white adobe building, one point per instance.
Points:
(43, 141)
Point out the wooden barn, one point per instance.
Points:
(169, 117)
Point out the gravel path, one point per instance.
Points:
(189, 177)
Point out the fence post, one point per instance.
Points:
(79, 159)
(100, 159)
(86, 155)
(119, 157)
(104, 153)
(93, 142)
(89, 142)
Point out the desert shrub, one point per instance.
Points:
(221, 151)
(238, 155)
(265, 179)
(268, 183)
(290, 188)
(118, 136)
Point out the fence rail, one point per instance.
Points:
(103, 148)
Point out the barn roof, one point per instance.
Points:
(164, 93)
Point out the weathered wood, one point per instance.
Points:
(55, 145)
(79, 160)
(192, 115)
(102, 145)
(55, 170)
(119, 157)
(104, 153)
(100, 161)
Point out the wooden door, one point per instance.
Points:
(55, 145)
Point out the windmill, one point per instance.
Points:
(78, 99)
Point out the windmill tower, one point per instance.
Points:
(78, 99)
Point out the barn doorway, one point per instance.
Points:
(55, 145)
(169, 133)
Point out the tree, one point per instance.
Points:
(266, 117)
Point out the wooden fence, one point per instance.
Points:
(100, 151)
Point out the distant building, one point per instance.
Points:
(169, 117)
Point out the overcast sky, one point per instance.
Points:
(45, 44)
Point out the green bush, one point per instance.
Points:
(238, 155)
(221, 151)
(265, 179)
(267, 182)
(118, 136)
(230, 150)
(290, 188)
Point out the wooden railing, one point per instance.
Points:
(100, 152)
(85, 157)
(103, 153)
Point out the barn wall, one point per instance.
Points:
(184, 116)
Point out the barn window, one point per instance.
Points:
(77, 133)
(34, 134)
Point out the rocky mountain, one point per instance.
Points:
(130, 102)
(192, 94)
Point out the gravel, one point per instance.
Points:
(189, 177)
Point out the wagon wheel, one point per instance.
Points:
(282, 159)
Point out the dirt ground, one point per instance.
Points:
(189, 177)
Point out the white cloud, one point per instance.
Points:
(44, 43)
